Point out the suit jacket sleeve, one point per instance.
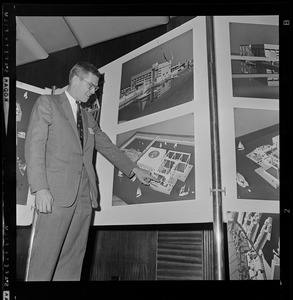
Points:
(35, 144)
(104, 145)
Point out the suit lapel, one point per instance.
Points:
(69, 114)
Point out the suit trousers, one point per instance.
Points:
(61, 238)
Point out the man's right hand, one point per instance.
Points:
(44, 201)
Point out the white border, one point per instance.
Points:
(227, 103)
(190, 211)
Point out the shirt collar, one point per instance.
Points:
(70, 98)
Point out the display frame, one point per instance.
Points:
(24, 213)
(199, 211)
(228, 103)
(248, 129)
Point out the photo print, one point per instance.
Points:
(158, 79)
(166, 149)
(253, 245)
(255, 60)
(257, 153)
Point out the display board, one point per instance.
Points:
(157, 97)
(155, 108)
(248, 96)
(26, 96)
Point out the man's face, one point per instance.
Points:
(84, 87)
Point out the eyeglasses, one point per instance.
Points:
(91, 85)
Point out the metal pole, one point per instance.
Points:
(215, 153)
(33, 230)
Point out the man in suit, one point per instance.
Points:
(62, 176)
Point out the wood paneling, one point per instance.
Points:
(180, 255)
(208, 255)
(125, 255)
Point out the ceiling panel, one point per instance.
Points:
(93, 30)
(51, 32)
(38, 36)
(28, 49)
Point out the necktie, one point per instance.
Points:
(79, 122)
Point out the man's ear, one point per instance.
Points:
(74, 79)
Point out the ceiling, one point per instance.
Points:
(37, 37)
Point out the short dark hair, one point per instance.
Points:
(83, 67)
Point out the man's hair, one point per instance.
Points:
(83, 67)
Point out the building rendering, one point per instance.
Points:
(263, 60)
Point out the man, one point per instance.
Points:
(62, 177)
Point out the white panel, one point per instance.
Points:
(241, 115)
(194, 112)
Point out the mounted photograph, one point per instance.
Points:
(253, 245)
(165, 150)
(257, 154)
(255, 60)
(158, 79)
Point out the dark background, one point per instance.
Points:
(43, 74)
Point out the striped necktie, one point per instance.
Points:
(79, 122)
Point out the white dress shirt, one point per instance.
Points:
(73, 104)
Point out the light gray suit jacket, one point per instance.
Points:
(53, 152)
